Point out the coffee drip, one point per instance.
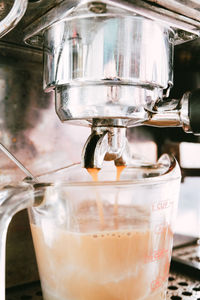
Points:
(94, 175)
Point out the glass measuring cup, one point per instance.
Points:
(103, 240)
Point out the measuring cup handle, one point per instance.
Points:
(12, 200)
(14, 16)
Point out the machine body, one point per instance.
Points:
(111, 66)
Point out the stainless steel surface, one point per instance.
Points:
(189, 8)
(13, 17)
(114, 47)
(82, 62)
(165, 114)
(170, 113)
(61, 11)
(107, 66)
(106, 143)
(34, 10)
(186, 28)
(29, 127)
(140, 7)
(184, 113)
(189, 254)
(182, 287)
(123, 82)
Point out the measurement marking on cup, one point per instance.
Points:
(160, 205)
(161, 228)
(157, 255)
(158, 282)
(155, 284)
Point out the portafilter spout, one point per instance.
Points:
(107, 142)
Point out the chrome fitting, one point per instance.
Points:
(107, 142)
(176, 113)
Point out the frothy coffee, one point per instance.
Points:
(113, 255)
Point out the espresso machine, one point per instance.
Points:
(118, 67)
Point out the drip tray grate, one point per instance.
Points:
(179, 288)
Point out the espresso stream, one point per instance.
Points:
(94, 174)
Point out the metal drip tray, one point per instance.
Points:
(186, 256)
(189, 254)
(179, 288)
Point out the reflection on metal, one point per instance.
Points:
(163, 15)
(54, 15)
(107, 66)
(26, 113)
(175, 19)
(184, 7)
(187, 259)
(106, 142)
(14, 16)
(182, 287)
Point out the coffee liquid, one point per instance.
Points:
(94, 174)
(119, 171)
(129, 261)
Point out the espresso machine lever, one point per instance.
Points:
(177, 113)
